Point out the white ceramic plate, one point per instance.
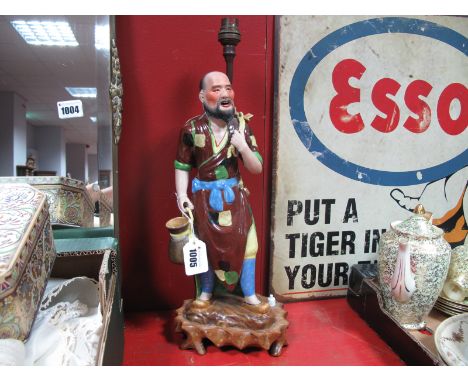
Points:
(443, 309)
(450, 307)
(451, 340)
(460, 304)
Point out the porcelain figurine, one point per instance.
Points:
(215, 143)
(413, 264)
(30, 166)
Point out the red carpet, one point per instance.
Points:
(325, 332)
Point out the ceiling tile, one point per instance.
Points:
(26, 67)
(10, 52)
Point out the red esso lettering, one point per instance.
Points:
(353, 123)
(416, 89)
(448, 95)
(383, 103)
(346, 94)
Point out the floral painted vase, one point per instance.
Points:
(413, 264)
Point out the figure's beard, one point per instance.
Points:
(218, 113)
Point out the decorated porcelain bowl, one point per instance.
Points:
(451, 340)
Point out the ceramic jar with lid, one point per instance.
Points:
(413, 261)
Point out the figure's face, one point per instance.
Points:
(218, 96)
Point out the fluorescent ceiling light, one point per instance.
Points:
(82, 92)
(94, 119)
(56, 33)
(102, 37)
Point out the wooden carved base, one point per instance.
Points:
(227, 321)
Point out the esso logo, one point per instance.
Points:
(414, 96)
(386, 101)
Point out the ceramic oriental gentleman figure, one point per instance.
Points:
(213, 143)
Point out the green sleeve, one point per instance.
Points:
(182, 166)
(257, 154)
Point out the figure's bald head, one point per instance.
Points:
(217, 95)
(209, 76)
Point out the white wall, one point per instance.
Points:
(104, 147)
(6, 134)
(19, 132)
(77, 161)
(50, 145)
(92, 168)
(12, 133)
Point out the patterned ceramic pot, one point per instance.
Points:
(413, 264)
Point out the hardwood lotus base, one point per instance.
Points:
(227, 321)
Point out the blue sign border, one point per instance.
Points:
(333, 41)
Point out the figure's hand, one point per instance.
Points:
(238, 141)
(251, 162)
(183, 202)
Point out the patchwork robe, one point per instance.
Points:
(230, 234)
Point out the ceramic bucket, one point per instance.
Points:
(179, 231)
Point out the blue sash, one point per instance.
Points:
(215, 187)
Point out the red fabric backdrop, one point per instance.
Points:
(162, 60)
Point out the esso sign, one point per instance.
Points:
(384, 101)
(414, 96)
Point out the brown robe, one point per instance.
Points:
(224, 233)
